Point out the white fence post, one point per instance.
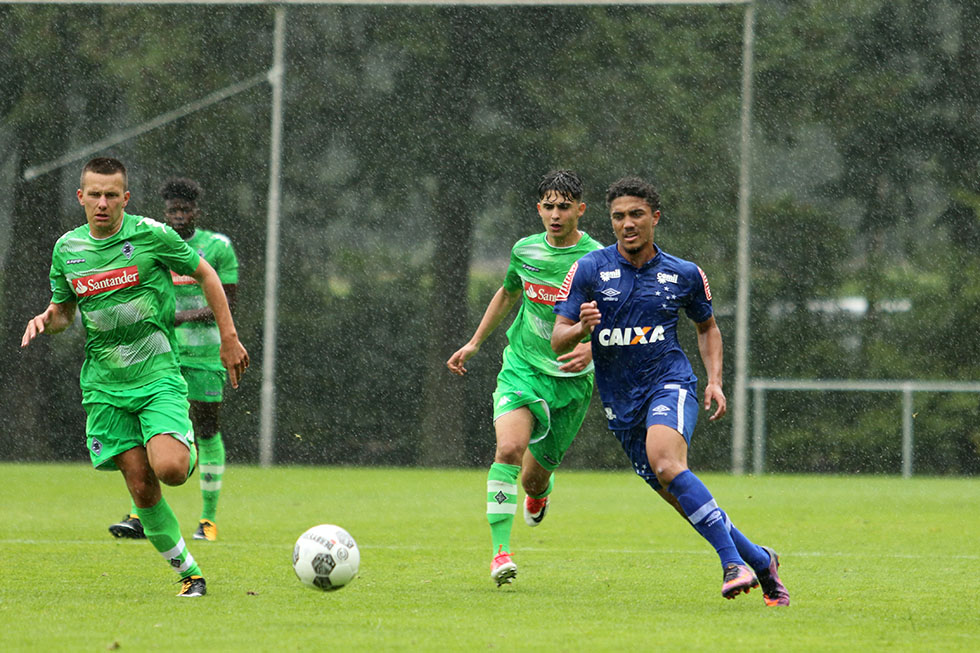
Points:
(907, 431)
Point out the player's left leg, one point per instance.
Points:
(667, 453)
(206, 419)
(169, 456)
(752, 553)
(558, 420)
(538, 483)
(158, 519)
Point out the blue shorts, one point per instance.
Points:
(674, 405)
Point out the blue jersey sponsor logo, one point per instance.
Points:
(624, 337)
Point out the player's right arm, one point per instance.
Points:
(501, 304)
(55, 319)
(569, 333)
(575, 290)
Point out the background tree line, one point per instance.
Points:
(414, 138)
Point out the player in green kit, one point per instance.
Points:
(541, 399)
(198, 342)
(116, 271)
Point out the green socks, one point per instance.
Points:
(501, 504)
(161, 528)
(212, 461)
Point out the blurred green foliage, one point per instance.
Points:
(413, 141)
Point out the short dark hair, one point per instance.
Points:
(180, 188)
(104, 165)
(634, 187)
(566, 183)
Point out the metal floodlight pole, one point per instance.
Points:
(740, 398)
(267, 409)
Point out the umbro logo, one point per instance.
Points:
(610, 294)
(500, 497)
(660, 410)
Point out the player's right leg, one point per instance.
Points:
(513, 430)
(129, 527)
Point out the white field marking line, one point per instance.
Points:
(538, 549)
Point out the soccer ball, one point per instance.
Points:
(326, 557)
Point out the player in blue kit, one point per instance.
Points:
(628, 297)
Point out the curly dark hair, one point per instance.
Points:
(634, 187)
(180, 188)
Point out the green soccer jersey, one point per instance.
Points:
(538, 268)
(199, 342)
(124, 293)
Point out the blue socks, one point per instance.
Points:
(751, 552)
(707, 518)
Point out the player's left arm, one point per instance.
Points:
(577, 359)
(710, 347)
(234, 358)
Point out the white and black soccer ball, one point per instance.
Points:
(326, 557)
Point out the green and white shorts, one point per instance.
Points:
(119, 420)
(558, 403)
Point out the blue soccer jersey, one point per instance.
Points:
(635, 347)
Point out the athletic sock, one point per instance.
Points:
(704, 514)
(212, 462)
(551, 486)
(501, 504)
(163, 531)
(751, 552)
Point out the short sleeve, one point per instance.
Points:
(172, 251)
(576, 289)
(61, 290)
(512, 280)
(699, 307)
(226, 262)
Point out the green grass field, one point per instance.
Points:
(872, 564)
